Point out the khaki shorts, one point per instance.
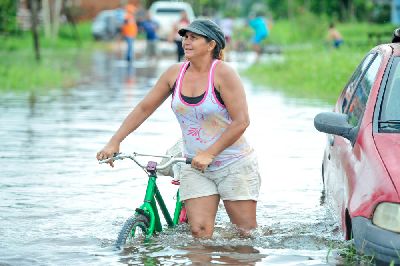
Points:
(237, 181)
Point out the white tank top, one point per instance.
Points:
(203, 123)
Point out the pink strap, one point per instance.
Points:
(211, 75)
(180, 76)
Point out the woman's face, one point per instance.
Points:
(196, 45)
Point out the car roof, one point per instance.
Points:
(169, 4)
(105, 13)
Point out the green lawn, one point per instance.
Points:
(59, 65)
(317, 73)
(314, 70)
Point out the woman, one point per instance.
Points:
(210, 104)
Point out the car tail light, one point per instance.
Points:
(387, 216)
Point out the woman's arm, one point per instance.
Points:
(141, 112)
(232, 92)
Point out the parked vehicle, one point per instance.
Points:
(167, 13)
(361, 162)
(106, 24)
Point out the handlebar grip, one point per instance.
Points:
(189, 160)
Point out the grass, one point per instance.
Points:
(59, 65)
(310, 68)
(21, 72)
(318, 73)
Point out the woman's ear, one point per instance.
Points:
(211, 45)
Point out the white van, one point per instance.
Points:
(167, 13)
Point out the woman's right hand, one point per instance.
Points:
(107, 152)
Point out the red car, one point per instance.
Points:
(361, 163)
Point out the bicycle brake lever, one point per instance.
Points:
(110, 159)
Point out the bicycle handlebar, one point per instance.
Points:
(172, 160)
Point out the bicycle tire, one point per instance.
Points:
(130, 230)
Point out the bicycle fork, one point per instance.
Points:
(149, 208)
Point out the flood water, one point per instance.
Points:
(58, 206)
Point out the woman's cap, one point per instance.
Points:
(206, 28)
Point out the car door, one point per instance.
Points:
(343, 155)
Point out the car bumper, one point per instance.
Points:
(374, 241)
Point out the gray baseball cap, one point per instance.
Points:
(207, 28)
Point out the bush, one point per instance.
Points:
(8, 16)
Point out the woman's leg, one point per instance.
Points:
(242, 214)
(201, 215)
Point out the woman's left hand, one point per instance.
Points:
(202, 160)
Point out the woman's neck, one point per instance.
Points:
(201, 65)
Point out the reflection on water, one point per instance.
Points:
(59, 207)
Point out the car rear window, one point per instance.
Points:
(169, 11)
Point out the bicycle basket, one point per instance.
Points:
(175, 151)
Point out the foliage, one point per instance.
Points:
(342, 10)
(339, 10)
(351, 257)
(8, 16)
(302, 29)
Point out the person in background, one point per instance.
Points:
(174, 36)
(334, 36)
(209, 101)
(149, 26)
(227, 24)
(129, 31)
(260, 28)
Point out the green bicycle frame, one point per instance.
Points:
(149, 206)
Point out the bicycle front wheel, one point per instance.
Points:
(134, 230)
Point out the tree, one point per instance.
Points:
(34, 6)
(8, 16)
(51, 17)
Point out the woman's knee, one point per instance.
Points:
(201, 230)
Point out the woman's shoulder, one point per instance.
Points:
(225, 75)
(174, 68)
(223, 68)
(172, 72)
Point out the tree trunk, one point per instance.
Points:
(290, 9)
(66, 10)
(307, 5)
(56, 18)
(34, 27)
(343, 11)
(352, 11)
(46, 18)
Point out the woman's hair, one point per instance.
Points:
(218, 53)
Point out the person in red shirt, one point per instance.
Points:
(129, 31)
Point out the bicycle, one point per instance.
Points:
(146, 220)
